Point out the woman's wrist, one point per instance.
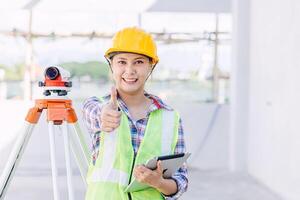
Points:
(166, 186)
(159, 183)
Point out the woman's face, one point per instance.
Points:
(130, 72)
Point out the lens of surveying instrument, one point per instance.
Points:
(52, 73)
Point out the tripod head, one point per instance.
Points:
(56, 81)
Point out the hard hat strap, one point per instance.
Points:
(150, 72)
(109, 63)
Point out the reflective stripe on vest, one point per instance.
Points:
(106, 173)
(167, 132)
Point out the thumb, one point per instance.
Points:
(113, 98)
(159, 167)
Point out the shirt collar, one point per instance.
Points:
(157, 103)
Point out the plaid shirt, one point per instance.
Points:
(91, 114)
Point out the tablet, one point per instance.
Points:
(170, 164)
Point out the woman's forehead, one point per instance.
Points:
(130, 56)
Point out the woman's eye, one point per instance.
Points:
(122, 62)
(139, 62)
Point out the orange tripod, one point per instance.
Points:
(59, 113)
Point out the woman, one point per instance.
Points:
(130, 126)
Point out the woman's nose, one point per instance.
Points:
(130, 69)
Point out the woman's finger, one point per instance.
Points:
(110, 124)
(159, 167)
(114, 113)
(109, 118)
(106, 129)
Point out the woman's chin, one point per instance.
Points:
(131, 90)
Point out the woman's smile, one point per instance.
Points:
(130, 80)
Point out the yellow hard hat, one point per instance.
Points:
(134, 40)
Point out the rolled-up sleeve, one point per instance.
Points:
(91, 114)
(180, 176)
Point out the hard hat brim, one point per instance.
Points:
(113, 50)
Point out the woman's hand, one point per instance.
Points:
(110, 116)
(147, 176)
(155, 179)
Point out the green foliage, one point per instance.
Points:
(15, 72)
(93, 69)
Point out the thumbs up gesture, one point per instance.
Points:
(110, 116)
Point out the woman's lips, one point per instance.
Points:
(130, 80)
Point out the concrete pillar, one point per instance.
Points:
(239, 94)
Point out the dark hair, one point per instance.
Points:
(111, 55)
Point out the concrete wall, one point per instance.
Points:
(273, 139)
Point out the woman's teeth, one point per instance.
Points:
(130, 80)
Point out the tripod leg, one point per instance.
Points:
(68, 160)
(15, 157)
(83, 145)
(80, 150)
(53, 160)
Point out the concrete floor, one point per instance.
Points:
(204, 185)
(224, 185)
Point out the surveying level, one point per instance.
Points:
(59, 113)
(56, 81)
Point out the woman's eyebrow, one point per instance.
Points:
(140, 58)
(121, 58)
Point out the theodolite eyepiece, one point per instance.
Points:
(52, 73)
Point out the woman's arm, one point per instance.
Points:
(91, 115)
(180, 175)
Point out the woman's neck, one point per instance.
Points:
(137, 104)
(133, 100)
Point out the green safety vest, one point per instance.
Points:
(112, 172)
